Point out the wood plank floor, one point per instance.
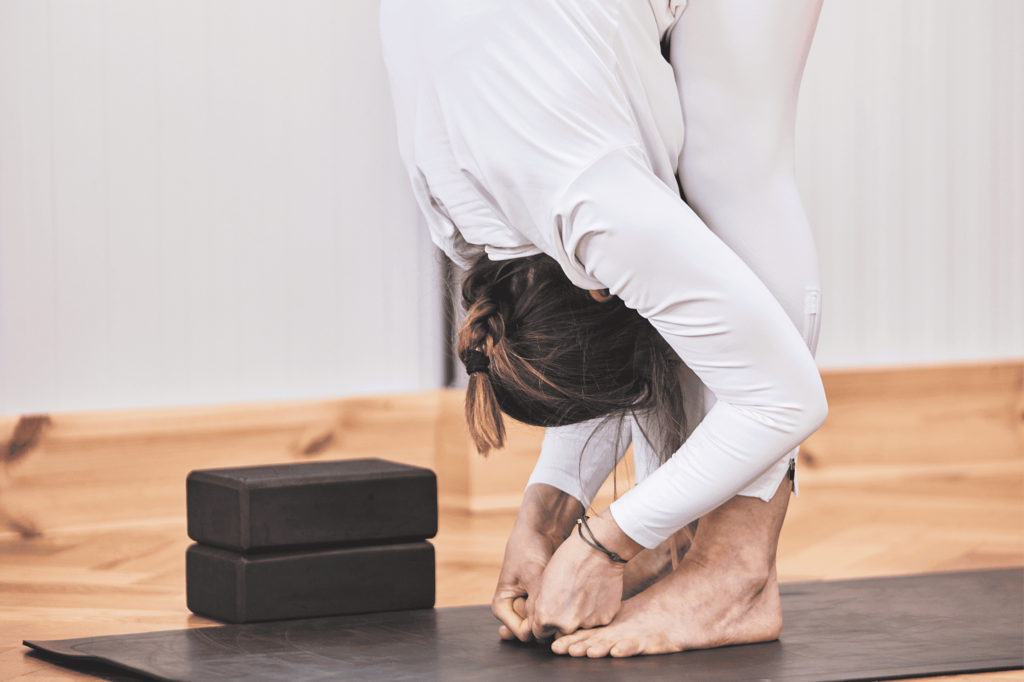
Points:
(111, 556)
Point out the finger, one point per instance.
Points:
(547, 630)
(519, 606)
(541, 629)
(505, 612)
(530, 604)
(505, 633)
(543, 632)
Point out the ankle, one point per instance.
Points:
(747, 571)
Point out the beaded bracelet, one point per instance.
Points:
(580, 525)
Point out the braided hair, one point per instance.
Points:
(546, 353)
(481, 333)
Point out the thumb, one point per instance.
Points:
(505, 610)
(519, 606)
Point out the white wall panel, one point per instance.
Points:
(201, 201)
(910, 151)
(28, 322)
(82, 256)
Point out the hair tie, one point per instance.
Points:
(476, 361)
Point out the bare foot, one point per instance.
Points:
(725, 590)
(693, 608)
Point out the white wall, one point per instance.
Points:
(911, 163)
(200, 202)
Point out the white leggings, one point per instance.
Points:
(737, 65)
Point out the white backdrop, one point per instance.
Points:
(910, 155)
(201, 201)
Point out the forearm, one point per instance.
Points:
(549, 511)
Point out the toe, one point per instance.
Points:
(562, 644)
(626, 647)
(599, 649)
(579, 648)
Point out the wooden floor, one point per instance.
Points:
(110, 503)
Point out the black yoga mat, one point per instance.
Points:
(872, 629)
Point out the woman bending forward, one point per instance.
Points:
(545, 144)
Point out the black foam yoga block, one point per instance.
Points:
(274, 507)
(235, 588)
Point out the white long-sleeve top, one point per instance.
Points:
(578, 458)
(554, 126)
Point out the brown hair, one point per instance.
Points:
(558, 357)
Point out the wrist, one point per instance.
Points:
(611, 537)
(549, 511)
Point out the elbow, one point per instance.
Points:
(797, 406)
(813, 406)
(817, 413)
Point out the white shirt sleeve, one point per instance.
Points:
(629, 231)
(578, 458)
(765, 487)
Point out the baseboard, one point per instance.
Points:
(921, 415)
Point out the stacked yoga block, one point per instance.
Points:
(310, 539)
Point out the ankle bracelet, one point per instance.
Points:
(581, 523)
